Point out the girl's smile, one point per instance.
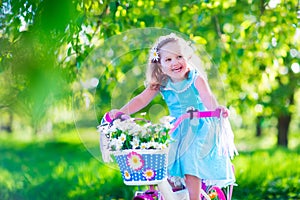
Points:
(172, 61)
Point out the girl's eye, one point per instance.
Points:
(179, 57)
(168, 59)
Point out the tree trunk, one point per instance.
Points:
(10, 122)
(7, 117)
(283, 127)
(259, 121)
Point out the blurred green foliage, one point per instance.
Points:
(253, 45)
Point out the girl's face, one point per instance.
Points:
(172, 61)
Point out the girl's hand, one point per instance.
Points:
(115, 113)
(224, 111)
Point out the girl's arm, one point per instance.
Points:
(208, 98)
(206, 94)
(137, 103)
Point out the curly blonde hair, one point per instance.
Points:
(155, 78)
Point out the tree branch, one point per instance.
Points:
(217, 26)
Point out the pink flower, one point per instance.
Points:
(135, 161)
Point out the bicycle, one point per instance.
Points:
(160, 188)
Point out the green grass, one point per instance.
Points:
(268, 174)
(62, 168)
(57, 169)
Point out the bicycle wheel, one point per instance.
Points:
(216, 193)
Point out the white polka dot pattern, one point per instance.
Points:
(153, 160)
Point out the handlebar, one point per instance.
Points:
(190, 114)
(194, 113)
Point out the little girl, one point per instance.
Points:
(194, 154)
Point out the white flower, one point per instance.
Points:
(135, 142)
(143, 113)
(155, 145)
(117, 123)
(152, 144)
(127, 175)
(113, 143)
(135, 130)
(123, 138)
(154, 56)
(157, 128)
(123, 125)
(162, 146)
(166, 121)
(116, 144)
(119, 145)
(154, 136)
(144, 145)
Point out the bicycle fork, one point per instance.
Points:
(168, 194)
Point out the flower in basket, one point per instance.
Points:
(138, 134)
(135, 161)
(149, 174)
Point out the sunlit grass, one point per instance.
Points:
(62, 166)
(268, 174)
(57, 169)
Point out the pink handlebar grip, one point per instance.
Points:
(119, 115)
(107, 117)
(214, 113)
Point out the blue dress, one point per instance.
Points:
(194, 150)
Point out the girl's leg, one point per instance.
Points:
(193, 185)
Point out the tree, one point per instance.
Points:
(267, 61)
(248, 39)
(33, 33)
